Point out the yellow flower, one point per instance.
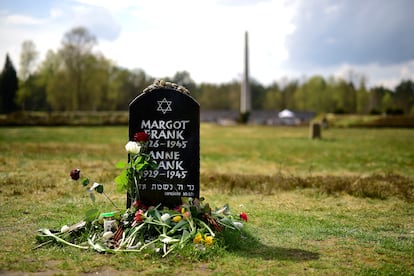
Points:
(198, 238)
(176, 219)
(208, 240)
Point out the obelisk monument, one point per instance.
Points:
(245, 97)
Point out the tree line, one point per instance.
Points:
(74, 77)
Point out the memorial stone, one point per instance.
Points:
(315, 131)
(171, 117)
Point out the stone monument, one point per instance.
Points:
(171, 117)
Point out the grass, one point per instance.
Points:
(311, 209)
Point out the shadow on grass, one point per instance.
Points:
(248, 246)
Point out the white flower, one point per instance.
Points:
(132, 147)
(94, 186)
(165, 217)
(107, 235)
(238, 225)
(64, 229)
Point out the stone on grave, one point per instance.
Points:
(315, 131)
(171, 117)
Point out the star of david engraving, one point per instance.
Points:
(164, 106)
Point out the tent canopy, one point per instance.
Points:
(286, 114)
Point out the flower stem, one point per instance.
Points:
(110, 200)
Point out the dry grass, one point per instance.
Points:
(381, 186)
(323, 222)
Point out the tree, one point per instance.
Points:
(345, 97)
(8, 87)
(312, 94)
(183, 78)
(28, 57)
(288, 94)
(273, 98)
(376, 99)
(25, 95)
(76, 55)
(258, 94)
(404, 95)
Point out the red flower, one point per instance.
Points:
(141, 136)
(75, 174)
(138, 205)
(243, 216)
(139, 217)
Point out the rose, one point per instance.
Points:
(243, 216)
(138, 205)
(138, 218)
(132, 147)
(238, 225)
(141, 136)
(165, 216)
(75, 174)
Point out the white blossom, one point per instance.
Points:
(165, 217)
(133, 147)
(64, 229)
(238, 225)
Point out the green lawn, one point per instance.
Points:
(300, 232)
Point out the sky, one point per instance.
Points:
(288, 39)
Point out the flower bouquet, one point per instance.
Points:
(139, 228)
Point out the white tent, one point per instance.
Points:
(286, 114)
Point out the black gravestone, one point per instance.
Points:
(172, 119)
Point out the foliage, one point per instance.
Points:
(8, 87)
(76, 78)
(138, 162)
(141, 227)
(28, 57)
(150, 230)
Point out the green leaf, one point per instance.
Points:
(184, 237)
(47, 232)
(98, 246)
(121, 164)
(179, 226)
(85, 181)
(122, 181)
(140, 166)
(154, 165)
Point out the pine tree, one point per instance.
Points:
(8, 87)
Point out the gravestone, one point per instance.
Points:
(171, 117)
(315, 131)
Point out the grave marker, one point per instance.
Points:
(315, 131)
(171, 117)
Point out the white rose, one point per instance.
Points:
(165, 217)
(107, 235)
(238, 225)
(132, 147)
(64, 229)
